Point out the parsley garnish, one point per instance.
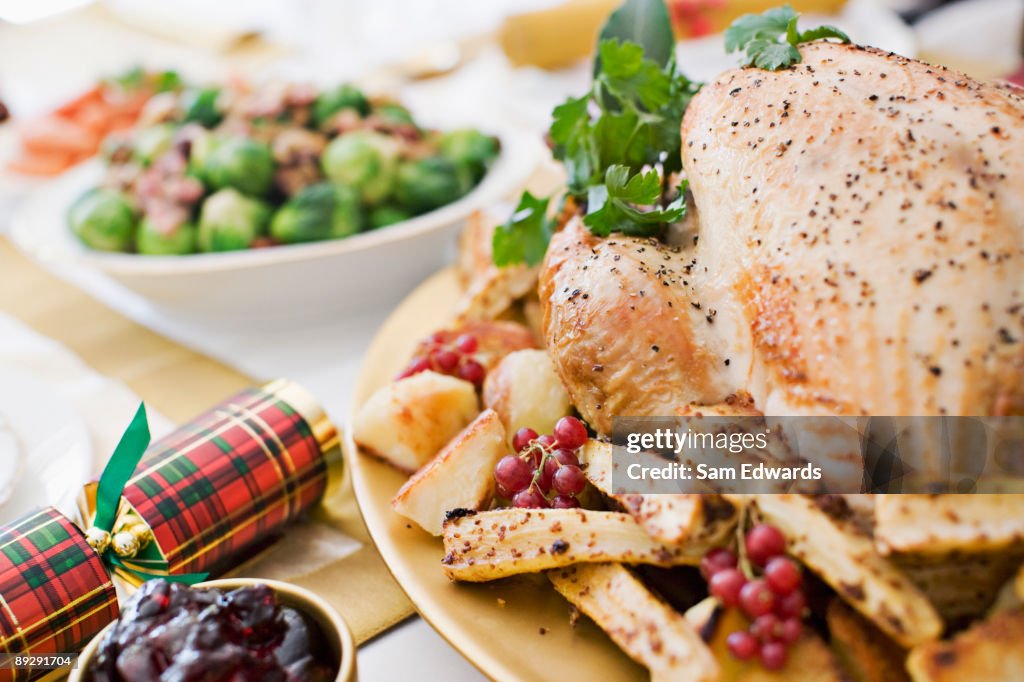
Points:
(524, 237)
(619, 142)
(769, 39)
(611, 207)
(630, 117)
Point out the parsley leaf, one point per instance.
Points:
(524, 237)
(772, 56)
(571, 132)
(825, 31)
(769, 24)
(628, 76)
(613, 206)
(770, 39)
(645, 23)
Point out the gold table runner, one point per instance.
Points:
(180, 383)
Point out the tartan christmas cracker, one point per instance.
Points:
(197, 502)
(215, 490)
(55, 592)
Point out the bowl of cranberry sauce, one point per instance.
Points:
(236, 630)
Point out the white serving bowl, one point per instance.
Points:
(281, 282)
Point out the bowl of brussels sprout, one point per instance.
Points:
(273, 201)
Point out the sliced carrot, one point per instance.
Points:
(93, 117)
(121, 122)
(57, 134)
(41, 163)
(90, 96)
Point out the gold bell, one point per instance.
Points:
(98, 539)
(143, 535)
(125, 544)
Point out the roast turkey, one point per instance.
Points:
(857, 248)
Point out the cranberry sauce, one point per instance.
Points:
(171, 632)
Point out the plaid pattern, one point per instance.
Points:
(226, 482)
(55, 594)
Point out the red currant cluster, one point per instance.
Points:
(445, 355)
(774, 602)
(542, 465)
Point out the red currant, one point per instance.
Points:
(767, 627)
(764, 542)
(568, 480)
(417, 365)
(566, 457)
(791, 605)
(782, 575)
(546, 441)
(445, 359)
(547, 474)
(523, 438)
(756, 598)
(742, 645)
(473, 372)
(726, 586)
(773, 655)
(528, 499)
(792, 628)
(716, 560)
(467, 343)
(513, 474)
(563, 502)
(570, 433)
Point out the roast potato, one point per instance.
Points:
(409, 420)
(461, 476)
(525, 391)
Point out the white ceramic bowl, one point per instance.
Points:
(281, 282)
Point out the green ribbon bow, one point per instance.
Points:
(119, 470)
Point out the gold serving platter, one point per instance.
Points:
(515, 629)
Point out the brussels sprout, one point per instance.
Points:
(152, 142)
(239, 162)
(230, 221)
(429, 183)
(153, 242)
(342, 97)
(382, 216)
(469, 147)
(202, 107)
(103, 220)
(364, 160)
(322, 211)
(395, 114)
(199, 151)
